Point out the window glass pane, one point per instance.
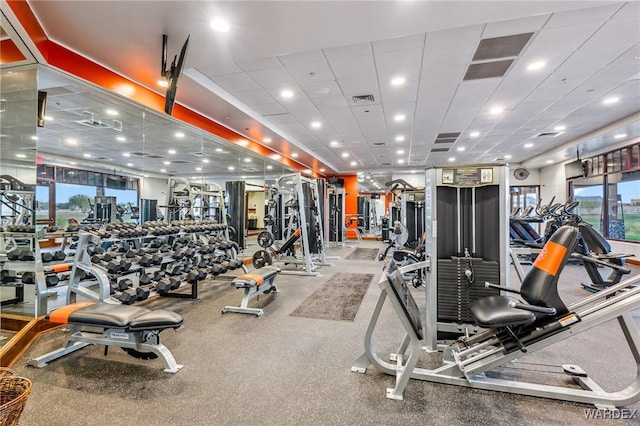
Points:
(42, 202)
(590, 207)
(626, 192)
(126, 202)
(73, 201)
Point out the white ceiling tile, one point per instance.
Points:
(571, 18)
(322, 89)
(348, 51)
(297, 94)
(283, 119)
(619, 32)
(353, 66)
(398, 62)
(294, 59)
(484, 86)
(454, 53)
(269, 109)
(399, 43)
(259, 64)
(364, 85)
(631, 10)
(406, 93)
(515, 26)
(235, 82)
(454, 35)
(253, 97)
(329, 102)
(273, 78)
(311, 72)
(296, 106)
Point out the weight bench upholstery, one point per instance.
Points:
(256, 278)
(106, 315)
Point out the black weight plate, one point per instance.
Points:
(265, 239)
(261, 258)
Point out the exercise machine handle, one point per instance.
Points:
(487, 284)
(533, 308)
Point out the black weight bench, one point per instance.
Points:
(255, 283)
(133, 328)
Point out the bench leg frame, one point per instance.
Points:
(249, 294)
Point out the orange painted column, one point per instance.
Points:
(351, 199)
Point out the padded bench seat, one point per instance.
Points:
(256, 278)
(115, 316)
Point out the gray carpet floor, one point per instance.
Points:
(284, 370)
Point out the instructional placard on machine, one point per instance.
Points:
(468, 176)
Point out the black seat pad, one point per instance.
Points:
(494, 311)
(125, 316)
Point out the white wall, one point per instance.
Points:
(553, 183)
(26, 174)
(154, 189)
(255, 200)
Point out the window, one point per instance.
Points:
(42, 203)
(73, 201)
(126, 203)
(590, 198)
(623, 196)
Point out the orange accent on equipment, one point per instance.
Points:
(61, 316)
(550, 258)
(258, 278)
(297, 232)
(64, 267)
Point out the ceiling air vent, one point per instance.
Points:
(361, 99)
(447, 137)
(501, 47)
(487, 70)
(89, 119)
(547, 135)
(385, 164)
(440, 150)
(378, 144)
(142, 154)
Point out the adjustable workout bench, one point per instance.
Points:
(134, 329)
(260, 281)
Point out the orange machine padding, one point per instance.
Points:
(258, 278)
(550, 258)
(64, 267)
(61, 315)
(297, 232)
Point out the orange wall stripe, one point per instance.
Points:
(9, 52)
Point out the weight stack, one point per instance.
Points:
(454, 291)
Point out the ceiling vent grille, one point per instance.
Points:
(361, 99)
(501, 47)
(440, 150)
(547, 135)
(447, 137)
(378, 144)
(487, 70)
(142, 154)
(89, 119)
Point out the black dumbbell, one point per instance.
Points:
(46, 257)
(142, 293)
(113, 267)
(30, 278)
(145, 260)
(95, 250)
(128, 296)
(124, 284)
(125, 264)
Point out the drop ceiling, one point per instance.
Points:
(332, 54)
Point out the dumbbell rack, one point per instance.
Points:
(12, 267)
(82, 261)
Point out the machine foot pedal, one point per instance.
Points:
(574, 370)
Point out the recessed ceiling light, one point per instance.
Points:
(620, 135)
(294, 154)
(163, 170)
(145, 176)
(611, 100)
(496, 110)
(399, 138)
(276, 156)
(220, 24)
(269, 167)
(334, 143)
(474, 134)
(528, 145)
(72, 141)
(126, 154)
(560, 127)
(398, 81)
(21, 156)
(111, 112)
(198, 168)
(219, 149)
(34, 138)
(179, 135)
(400, 161)
(231, 168)
(48, 118)
(86, 155)
(130, 164)
(163, 83)
(400, 117)
(171, 151)
(354, 163)
(307, 171)
(205, 160)
(286, 94)
(460, 148)
(360, 180)
(243, 142)
(266, 140)
(508, 156)
(121, 139)
(166, 162)
(452, 159)
(533, 66)
(549, 161)
(322, 170)
(345, 155)
(247, 160)
(400, 151)
(73, 163)
(243, 176)
(316, 124)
